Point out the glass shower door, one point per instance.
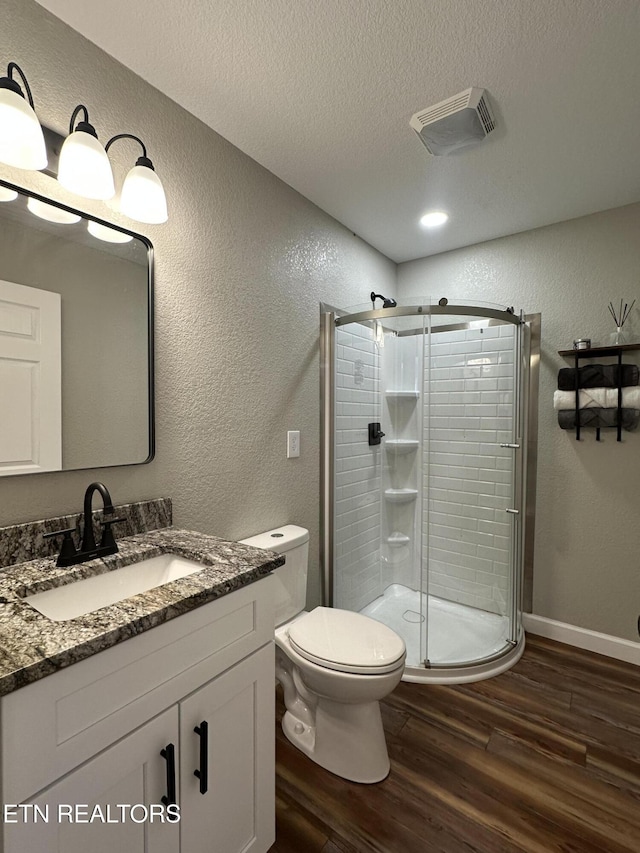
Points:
(378, 488)
(471, 462)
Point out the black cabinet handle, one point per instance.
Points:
(203, 773)
(169, 755)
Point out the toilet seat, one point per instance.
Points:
(346, 642)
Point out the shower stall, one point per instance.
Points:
(425, 464)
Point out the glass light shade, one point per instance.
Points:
(143, 197)
(51, 213)
(21, 139)
(84, 167)
(7, 195)
(109, 235)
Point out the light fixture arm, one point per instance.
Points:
(141, 161)
(74, 115)
(85, 125)
(13, 66)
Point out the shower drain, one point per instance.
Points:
(412, 616)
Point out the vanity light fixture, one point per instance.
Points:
(109, 235)
(51, 213)
(7, 195)
(433, 219)
(21, 138)
(142, 197)
(79, 162)
(84, 167)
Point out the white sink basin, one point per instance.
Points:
(85, 596)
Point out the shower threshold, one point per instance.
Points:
(458, 633)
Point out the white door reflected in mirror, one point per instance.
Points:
(30, 380)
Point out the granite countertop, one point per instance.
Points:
(33, 646)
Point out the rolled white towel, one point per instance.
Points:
(630, 397)
(605, 398)
(589, 397)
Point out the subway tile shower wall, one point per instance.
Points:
(461, 548)
(466, 531)
(358, 470)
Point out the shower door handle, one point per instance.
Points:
(513, 446)
(513, 511)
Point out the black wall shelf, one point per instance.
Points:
(599, 352)
(615, 351)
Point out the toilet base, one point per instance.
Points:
(347, 740)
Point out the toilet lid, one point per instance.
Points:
(345, 641)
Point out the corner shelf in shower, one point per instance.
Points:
(399, 394)
(401, 445)
(400, 496)
(398, 540)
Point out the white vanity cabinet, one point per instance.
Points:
(101, 733)
(236, 813)
(131, 771)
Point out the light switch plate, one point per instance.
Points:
(293, 443)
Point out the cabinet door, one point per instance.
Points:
(132, 772)
(237, 812)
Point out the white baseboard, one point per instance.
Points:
(583, 638)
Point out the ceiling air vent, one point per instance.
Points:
(460, 121)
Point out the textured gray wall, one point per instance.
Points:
(241, 267)
(587, 550)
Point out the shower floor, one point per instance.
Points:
(457, 633)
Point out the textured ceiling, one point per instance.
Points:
(321, 92)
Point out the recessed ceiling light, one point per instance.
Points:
(433, 219)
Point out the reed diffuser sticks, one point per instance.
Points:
(620, 315)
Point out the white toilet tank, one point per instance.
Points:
(291, 579)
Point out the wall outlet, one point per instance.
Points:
(293, 444)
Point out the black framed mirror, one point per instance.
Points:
(76, 339)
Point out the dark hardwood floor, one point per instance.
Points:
(542, 759)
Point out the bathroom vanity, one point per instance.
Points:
(179, 715)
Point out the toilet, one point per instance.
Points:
(334, 666)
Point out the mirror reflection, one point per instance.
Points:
(76, 382)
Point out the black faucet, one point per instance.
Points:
(88, 539)
(88, 550)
